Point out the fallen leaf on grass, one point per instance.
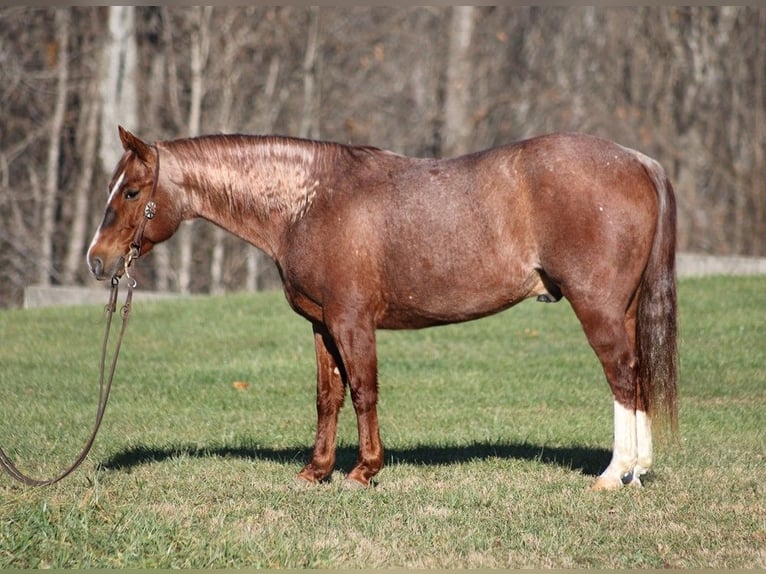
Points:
(240, 385)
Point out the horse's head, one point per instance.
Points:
(138, 211)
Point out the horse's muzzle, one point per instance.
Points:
(100, 272)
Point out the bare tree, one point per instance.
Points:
(79, 226)
(48, 205)
(309, 119)
(118, 86)
(458, 123)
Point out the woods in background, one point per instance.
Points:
(684, 85)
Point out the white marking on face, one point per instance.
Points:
(112, 192)
(116, 187)
(93, 241)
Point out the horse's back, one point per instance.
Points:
(433, 241)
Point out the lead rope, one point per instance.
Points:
(105, 384)
(104, 387)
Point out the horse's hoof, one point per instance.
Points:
(633, 481)
(606, 483)
(300, 480)
(353, 484)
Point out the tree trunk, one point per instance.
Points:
(310, 121)
(172, 77)
(79, 228)
(457, 116)
(48, 218)
(200, 47)
(755, 189)
(759, 141)
(118, 86)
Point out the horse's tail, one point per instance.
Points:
(656, 325)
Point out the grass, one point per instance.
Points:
(493, 432)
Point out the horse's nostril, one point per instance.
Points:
(97, 266)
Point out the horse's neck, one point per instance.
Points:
(253, 187)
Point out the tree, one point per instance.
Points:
(458, 123)
(48, 204)
(309, 127)
(73, 263)
(119, 82)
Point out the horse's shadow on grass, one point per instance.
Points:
(588, 461)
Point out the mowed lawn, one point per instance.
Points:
(493, 432)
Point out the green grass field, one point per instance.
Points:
(494, 430)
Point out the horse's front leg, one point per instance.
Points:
(355, 341)
(330, 395)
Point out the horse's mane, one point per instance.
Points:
(260, 173)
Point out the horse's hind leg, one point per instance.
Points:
(643, 421)
(609, 332)
(330, 398)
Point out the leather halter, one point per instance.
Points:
(150, 210)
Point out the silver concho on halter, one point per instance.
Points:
(150, 210)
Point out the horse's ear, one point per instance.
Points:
(135, 144)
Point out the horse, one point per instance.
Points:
(367, 239)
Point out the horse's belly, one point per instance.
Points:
(437, 300)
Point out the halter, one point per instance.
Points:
(150, 210)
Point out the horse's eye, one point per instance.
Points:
(131, 193)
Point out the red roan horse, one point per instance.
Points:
(366, 239)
